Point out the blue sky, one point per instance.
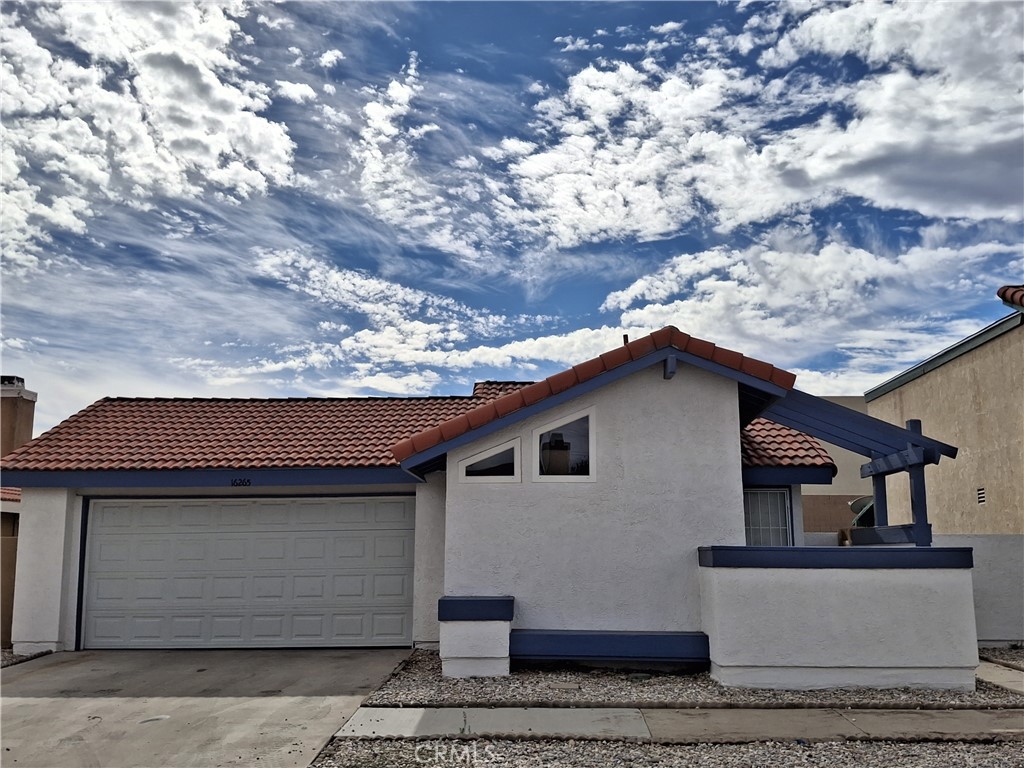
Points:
(289, 199)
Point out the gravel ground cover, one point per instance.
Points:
(1011, 657)
(418, 683)
(9, 657)
(398, 753)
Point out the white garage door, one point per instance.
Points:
(249, 572)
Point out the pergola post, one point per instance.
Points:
(918, 497)
(881, 503)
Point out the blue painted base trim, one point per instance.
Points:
(836, 557)
(476, 608)
(883, 534)
(242, 480)
(542, 644)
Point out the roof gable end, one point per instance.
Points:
(603, 369)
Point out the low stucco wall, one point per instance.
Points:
(804, 628)
(618, 553)
(998, 584)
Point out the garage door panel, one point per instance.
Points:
(251, 589)
(154, 579)
(256, 550)
(378, 626)
(252, 514)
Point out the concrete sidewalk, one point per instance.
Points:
(687, 726)
(1005, 677)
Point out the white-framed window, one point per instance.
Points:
(565, 450)
(768, 517)
(500, 464)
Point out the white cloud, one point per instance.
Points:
(668, 28)
(794, 305)
(156, 105)
(570, 43)
(329, 58)
(643, 150)
(390, 181)
(281, 22)
(297, 92)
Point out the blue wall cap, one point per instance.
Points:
(498, 608)
(836, 557)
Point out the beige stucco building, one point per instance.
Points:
(972, 395)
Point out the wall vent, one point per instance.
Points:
(981, 495)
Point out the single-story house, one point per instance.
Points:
(642, 505)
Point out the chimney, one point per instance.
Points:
(17, 413)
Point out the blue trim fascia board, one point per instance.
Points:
(615, 374)
(883, 534)
(787, 475)
(836, 557)
(240, 479)
(586, 644)
(476, 608)
(847, 428)
(985, 335)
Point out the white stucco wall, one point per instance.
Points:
(46, 584)
(618, 553)
(998, 584)
(818, 628)
(428, 568)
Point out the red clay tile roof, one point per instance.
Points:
(634, 350)
(179, 433)
(764, 443)
(1012, 294)
(495, 389)
(10, 494)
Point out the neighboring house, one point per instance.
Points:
(972, 394)
(827, 507)
(17, 412)
(642, 505)
(1012, 296)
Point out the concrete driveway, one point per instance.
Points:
(151, 709)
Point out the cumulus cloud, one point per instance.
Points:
(667, 28)
(570, 43)
(152, 104)
(329, 58)
(297, 92)
(795, 304)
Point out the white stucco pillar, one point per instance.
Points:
(428, 578)
(475, 648)
(46, 580)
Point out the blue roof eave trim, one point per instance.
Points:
(886, 557)
(241, 479)
(788, 475)
(620, 372)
